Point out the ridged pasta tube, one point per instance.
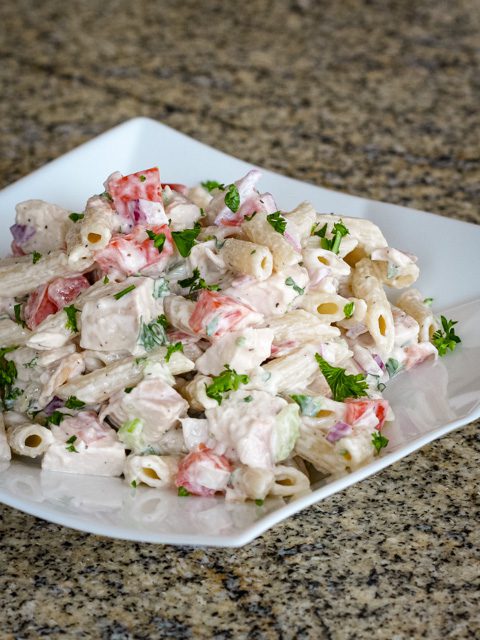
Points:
(329, 307)
(412, 303)
(30, 440)
(154, 471)
(379, 319)
(248, 258)
(259, 231)
(288, 481)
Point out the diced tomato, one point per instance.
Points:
(16, 250)
(63, 291)
(215, 314)
(49, 298)
(38, 307)
(203, 472)
(143, 185)
(130, 253)
(357, 408)
(175, 186)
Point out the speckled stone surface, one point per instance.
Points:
(379, 99)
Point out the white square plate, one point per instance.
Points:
(429, 401)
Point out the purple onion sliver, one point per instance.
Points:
(379, 361)
(54, 404)
(22, 233)
(339, 430)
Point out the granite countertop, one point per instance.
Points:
(372, 98)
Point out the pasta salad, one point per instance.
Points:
(202, 339)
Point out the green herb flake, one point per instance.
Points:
(33, 363)
(428, 302)
(36, 257)
(392, 366)
(128, 389)
(447, 339)
(381, 387)
(309, 406)
(339, 231)
(248, 399)
(277, 221)
(183, 492)
(71, 444)
(186, 239)
(75, 217)
(228, 380)
(133, 484)
(210, 185)
(74, 403)
(142, 178)
(379, 441)
(291, 283)
(348, 309)
(342, 384)
(248, 218)
(153, 334)
(106, 280)
(232, 198)
(196, 282)
(320, 233)
(17, 310)
(124, 292)
(259, 502)
(106, 195)
(56, 418)
(158, 239)
(71, 323)
(172, 348)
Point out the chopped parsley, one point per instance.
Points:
(142, 178)
(74, 403)
(75, 217)
(8, 376)
(183, 492)
(172, 348)
(446, 339)
(17, 309)
(248, 218)
(133, 484)
(196, 282)
(106, 280)
(128, 389)
(106, 195)
(339, 231)
(342, 384)
(124, 292)
(185, 240)
(56, 418)
(392, 366)
(158, 239)
(71, 323)
(33, 363)
(259, 502)
(320, 233)
(71, 444)
(291, 283)
(160, 288)
(248, 398)
(228, 380)
(232, 198)
(277, 221)
(210, 185)
(309, 406)
(379, 441)
(36, 257)
(153, 334)
(348, 309)
(428, 302)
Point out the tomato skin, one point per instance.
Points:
(357, 408)
(189, 473)
(211, 305)
(144, 185)
(176, 186)
(49, 298)
(130, 253)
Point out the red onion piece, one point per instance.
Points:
(338, 431)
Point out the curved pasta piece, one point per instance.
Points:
(248, 257)
(154, 471)
(379, 319)
(30, 440)
(288, 481)
(412, 303)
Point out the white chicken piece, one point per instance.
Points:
(270, 297)
(242, 350)
(154, 402)
(182, 212)
(40, 226)
(120, 322)
(83, 445)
